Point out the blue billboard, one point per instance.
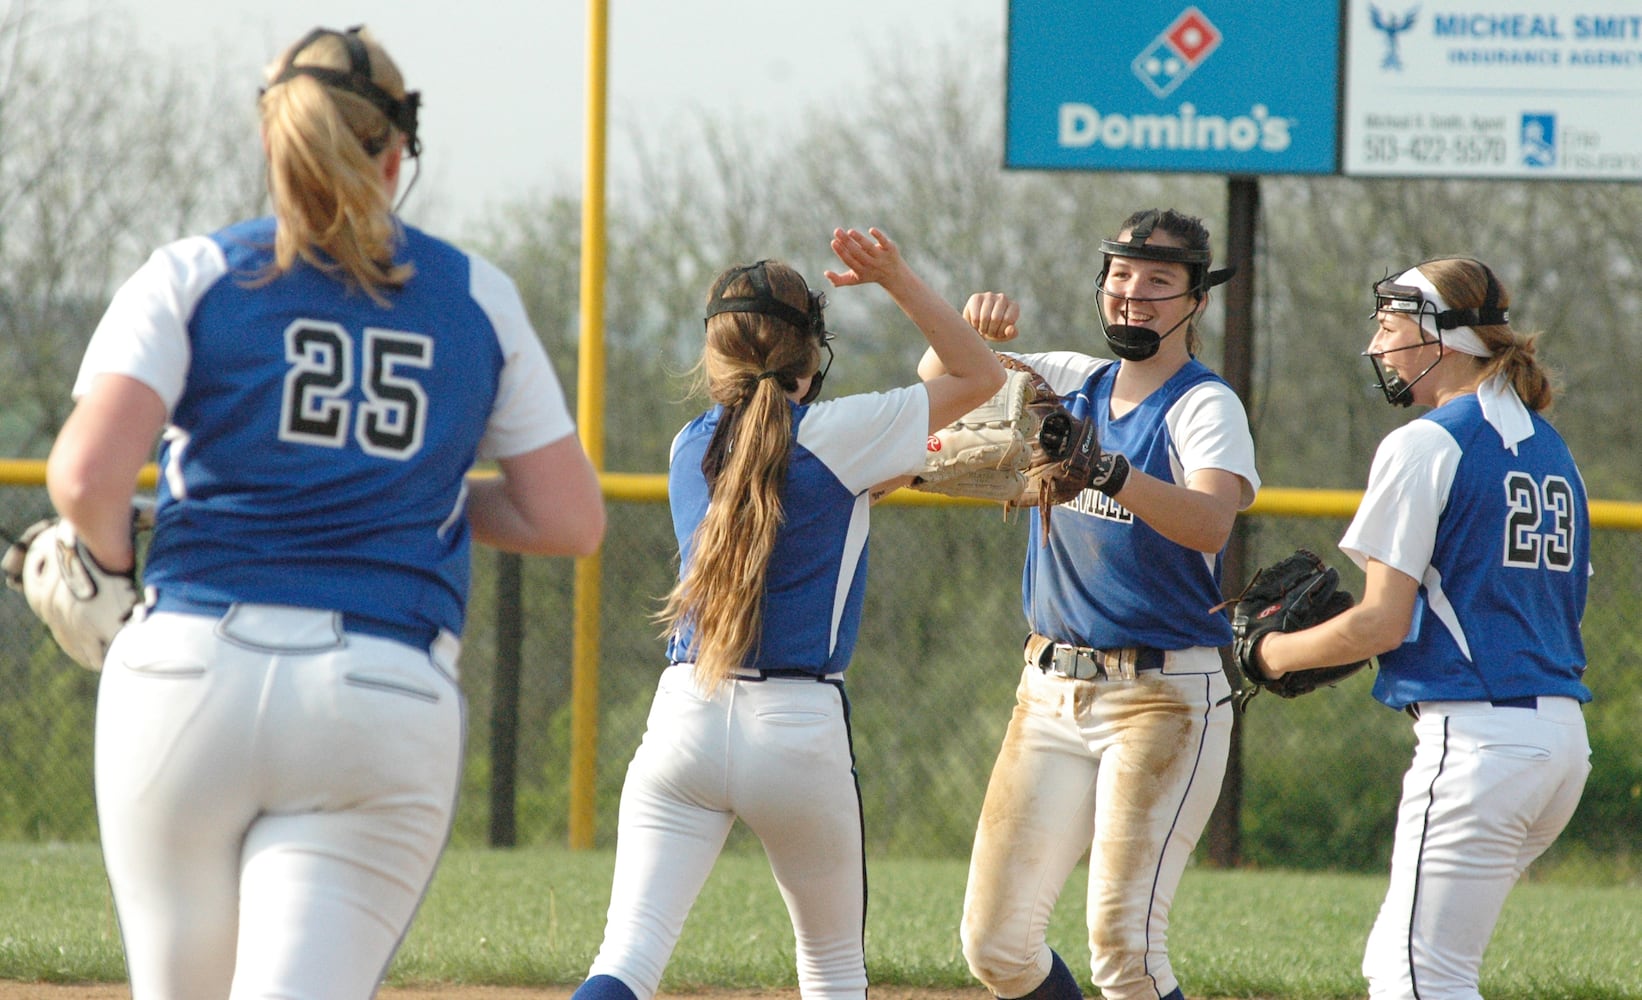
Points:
(1215, 86)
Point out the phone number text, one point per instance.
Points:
(1433, 150)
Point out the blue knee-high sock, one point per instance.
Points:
(1060, 984)
(1175, 994)
(603, 988)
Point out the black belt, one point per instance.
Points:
(416, 636)
(775, 673)
(1529, 701)
(1087, 664)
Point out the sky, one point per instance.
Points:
(503, 82)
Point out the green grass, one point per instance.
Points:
(534, 917)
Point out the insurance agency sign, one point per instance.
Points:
(1546, 89)
(1217, 86)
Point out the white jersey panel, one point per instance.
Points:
(870, 437)
(1065, 371)
(530, 405)
(1211, 431)
(1408, 485)
(144, 332)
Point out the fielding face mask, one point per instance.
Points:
(1138, 343)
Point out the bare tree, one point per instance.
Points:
(105, 152)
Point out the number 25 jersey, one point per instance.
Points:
(318, 440)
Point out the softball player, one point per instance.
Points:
(770, 498)
(1123, 718)
(1474, 535)
(279, 729)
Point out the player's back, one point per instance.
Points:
(320, 442)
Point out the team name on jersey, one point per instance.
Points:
(1098, 504)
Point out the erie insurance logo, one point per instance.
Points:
(1176, 53)
(1391, 24)
(1539, 140)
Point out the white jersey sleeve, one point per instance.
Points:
(144, 332)
(1065, 371)
(1210, 430)
(1408, 486)
(869, 437)
(530, 408)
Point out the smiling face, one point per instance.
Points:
(1402, 354)
(1147, 293)
(1144, 302)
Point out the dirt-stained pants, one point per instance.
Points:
(1128, 770)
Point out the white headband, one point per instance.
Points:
(1501, 406)
(1460, 338)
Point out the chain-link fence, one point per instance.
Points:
(931, 689)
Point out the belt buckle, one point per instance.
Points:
(1082, 663)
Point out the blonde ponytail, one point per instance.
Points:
(330, 204)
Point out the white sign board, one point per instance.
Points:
(1526, 89)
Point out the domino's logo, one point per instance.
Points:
(1176, 53)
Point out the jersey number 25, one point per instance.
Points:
(315, 408)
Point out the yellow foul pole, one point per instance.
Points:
(584, 670)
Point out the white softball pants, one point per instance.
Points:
(273, 796)
(1489, 790)
(1126, 770)
(775, 753)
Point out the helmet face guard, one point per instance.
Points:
(402, 112)
(1433, 317)
(1138, 343)
(1397, 391)
(1405, 300)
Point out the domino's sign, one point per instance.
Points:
(1217, 86)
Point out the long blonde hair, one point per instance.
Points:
(323, 141)
(1469, 284)
(751, 361)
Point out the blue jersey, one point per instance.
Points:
(1500, 543)
(1106, 578)
(318, 440)
(817, 573)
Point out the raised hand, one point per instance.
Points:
(872, 257)
(993, 315)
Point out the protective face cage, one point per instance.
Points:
(810, 321)
(1137, 343)
(356, 80)
(1411, 301)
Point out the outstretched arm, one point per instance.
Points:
(972, 372)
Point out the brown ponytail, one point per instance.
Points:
(1464, 284)
(750, 363)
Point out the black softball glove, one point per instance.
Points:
(1295, 593)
